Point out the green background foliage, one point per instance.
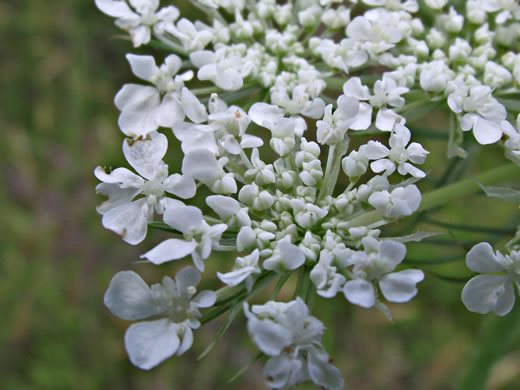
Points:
(60, 67)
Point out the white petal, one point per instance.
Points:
(360, 292)
(128, 220)
(251, 141)
(145, 154)
(353, 87)
(486, 132)
(279, 371)
(116, 9)
(121, 176)
(186, 340)
(173, 62)
(322, 372)
(374, 150)
(170, 110)
(129, 297)
(481, 258)
(234, 278)
(186, 277)
(270, 337)
(292, 256)
(171, 249)
(391, 252)
(143, 67)
(151, 342)
(116, 196)
(139, 118)
(132, 94)
(205, 298)
(182, 186)
(364, 117)
(202, 165)
(386, 119)
(485, 293)
(224, 206)
(140, 35)
(202, 57)
(400, 286)
(265, 115)
(348, 106)
(182, 217)
(193, 108)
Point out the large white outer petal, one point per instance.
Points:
(485, 293)
(116, 9)
(171, 249)
(129, 220)
(151, 342)
(143, 67)
(322, 372)
(145, 154)
(481, 258)
(182, 217)
(400, 286)
(270, 337)
(129, 297)
(360, 292)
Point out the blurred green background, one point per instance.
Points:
(60, 67)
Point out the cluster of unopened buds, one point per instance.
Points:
(265, 98)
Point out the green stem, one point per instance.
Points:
(336, 152)
(449, 193)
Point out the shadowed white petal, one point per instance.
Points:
(481, 258)
(139, 117)
(270, 337)
(116, 196)
(391, 252)
(186, 339)
(202, 165)
(400, 286)
(151, 342)
(485, 293)
(115, 8)
(234, 278)
(173, 62)
(143, 67)
(182, 218)
(322, 372)
(360, 292)
(171, 249)
(265, 115)
(224, 206)
(145, 154)
(279, 371)
(128, 220)
(205, 298)
(186, 277)
(170, 110)
(121, 176)
(180, 185)
(193, 107)
(129, 297)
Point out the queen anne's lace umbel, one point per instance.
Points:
(265, 99)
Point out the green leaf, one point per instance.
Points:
(417, 236)
(505, 193)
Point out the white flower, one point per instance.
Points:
(243, 269)
(325, 277)
(512, 145)
(139, 23)
(376, 264)
(222, 67)
(485, 293)
(292, 338)
(126, 216)
(397, 156)
(145, 108)
(483, 112)
(149, 343)
(402, 201)
(435, 75)
(286, 257)
(496, 76)
(192, 36)
(229, 210)
(199, 238)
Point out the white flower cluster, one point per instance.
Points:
(254, 93)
